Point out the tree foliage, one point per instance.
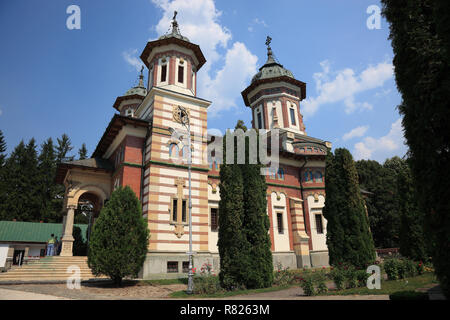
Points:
(244, 242)
(348, 237)
(82, 152)
(419, 30)
(119, 238)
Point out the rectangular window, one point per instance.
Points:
(259, 121)
(163, 73)
(183, 211)
(185, 266)
(180, 74)
(280, 223)
(214, 219)
(319, 226)
(174, 209)
(292, 116)
(172, 266)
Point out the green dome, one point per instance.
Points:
(271, 69)
(142, 91)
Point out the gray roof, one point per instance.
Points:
(271, 69)
(96, 163)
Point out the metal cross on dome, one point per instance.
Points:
(268, 41)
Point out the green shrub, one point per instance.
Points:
(391, 268)
(362, 277)
(319, 281)
(307, 284)
(408, 295)
(338, 276)
(420, 268)
(401, 267)
(410, 268)
(119, 238)
(351, 278)
(283, 277)
(207, 284)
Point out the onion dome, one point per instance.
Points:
(140, 89)
(271, 69)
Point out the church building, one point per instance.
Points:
(138, 149)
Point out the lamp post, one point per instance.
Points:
(184, 118)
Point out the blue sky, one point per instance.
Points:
(54, 80)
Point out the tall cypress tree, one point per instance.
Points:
(420, 41)
(412, 240)
(256, 222)
(348, 237)
(232, 244)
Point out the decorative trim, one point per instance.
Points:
(175, 165)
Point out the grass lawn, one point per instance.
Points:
(164, 281)
(389, 287)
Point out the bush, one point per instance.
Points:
(362, 277)
(420, 268)
(307, 285)
(337, 274)
(410, 268)
(351, 278)
(283, 277)
(207, 284)
(119, 238)
(391, 268)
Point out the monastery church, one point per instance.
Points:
(137, 149)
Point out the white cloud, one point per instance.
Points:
(199, 21)
(223, 90)
(131, 57)
(356, 132)
(343, 85)
(383, 147)
(256, 21)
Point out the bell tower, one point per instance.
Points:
(173, 62)
(274, 97)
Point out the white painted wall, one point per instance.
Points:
(3, 254)
(281, 240)
(319, 241)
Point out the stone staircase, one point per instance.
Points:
(48, 269)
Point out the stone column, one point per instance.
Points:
(67, 238)
(301, 239)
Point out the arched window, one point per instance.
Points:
(318, 176)
(308, 176)
(280, 174)
(174, 151)
(185, 153)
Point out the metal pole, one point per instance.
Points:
(190, 289)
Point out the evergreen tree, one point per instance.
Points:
(63, 148)
(82, 152)
(412, 240)
(21, 184)
(420, 41)
(348, 237)
(50, 201)
(2, 150)
(119, 238)
(232, 244)
(256, 223)
(3, 197)
(382, 204)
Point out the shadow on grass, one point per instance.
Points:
(108, 283)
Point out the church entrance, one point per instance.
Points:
(87, 211)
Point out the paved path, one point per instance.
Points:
(8, 294)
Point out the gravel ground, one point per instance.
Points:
(100, 291)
